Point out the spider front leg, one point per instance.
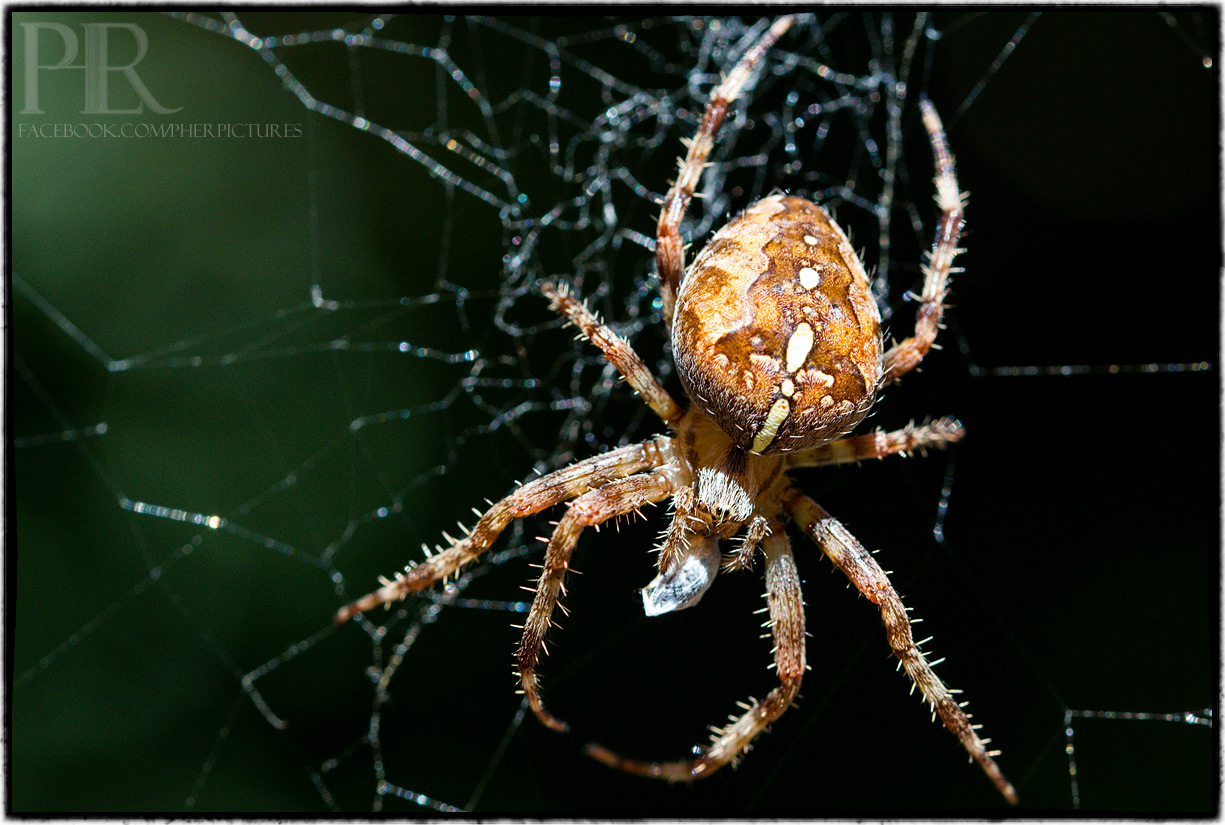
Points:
(906, 355)
(615, 348)
(845, 551)
(669, 249)
(786, 606)
(531, 498)
(589, 510)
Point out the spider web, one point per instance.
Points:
(251, 374)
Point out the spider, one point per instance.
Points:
(777, 342)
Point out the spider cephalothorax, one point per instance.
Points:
(777, 342)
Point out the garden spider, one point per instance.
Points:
(777, 342)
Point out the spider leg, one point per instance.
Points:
(786, 606)
(592, 508)
(616, 349)
(906, 355)
(845, 551)
(938, 433)
(669, 250)
(531, 498)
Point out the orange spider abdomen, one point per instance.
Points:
(776, 334)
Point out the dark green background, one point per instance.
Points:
(1081, 563)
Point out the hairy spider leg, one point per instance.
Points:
(532, 497)
(669, 250)
(845, 551)
(904, 356)
(588, 510)
(616, 350)
(912, 438)
(785, 603)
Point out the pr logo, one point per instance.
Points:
(96, 66)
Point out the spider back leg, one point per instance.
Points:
(786, 606)
(845, 551)
(588, 510)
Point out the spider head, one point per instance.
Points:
(776, 334)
